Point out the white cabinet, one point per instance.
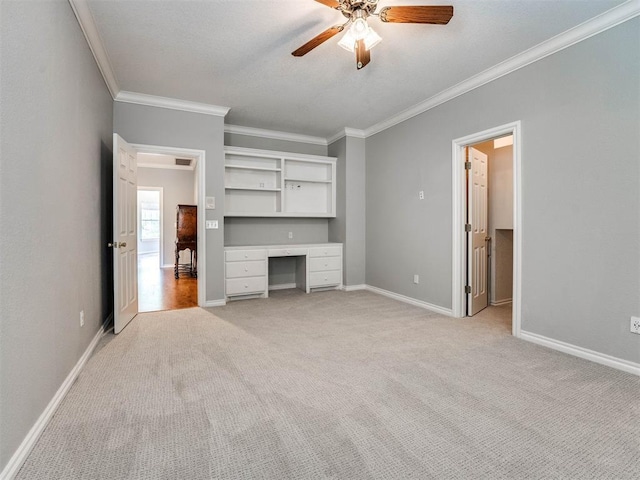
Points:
(263, 183)
(245, 272)
(246, 268)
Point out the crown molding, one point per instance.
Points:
(171, 103)
(88, 26)
(354, 132)
(594, 26)
(274, 134)
(346, 132)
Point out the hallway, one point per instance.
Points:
(159, 290)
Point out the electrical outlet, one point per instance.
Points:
(82, 318)
(210, 224)
(635, 325)
(290, 235)
(416, 279)
(421, 195)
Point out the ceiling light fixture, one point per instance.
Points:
(360, 37)
(359, 30)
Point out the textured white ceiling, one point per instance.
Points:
(237, 53)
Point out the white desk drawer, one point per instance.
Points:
(287, 252)
(256, 268)
(242, 255)
(320, 264)
(322, 279)
(325, 251)
(246, 286)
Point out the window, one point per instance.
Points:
(148, 214)
(149, 221)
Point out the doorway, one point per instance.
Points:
(497, 248)
(167, 178)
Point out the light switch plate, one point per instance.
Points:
(210, 203)
(211, 224)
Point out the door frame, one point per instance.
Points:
(161, 206)
(199, 155)
(459, 210)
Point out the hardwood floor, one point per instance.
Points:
(159, 290)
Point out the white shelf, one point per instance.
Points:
(308, 180)
(260, 169)
(283, 184)
(261, 189)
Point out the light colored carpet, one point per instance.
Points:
(337, 385)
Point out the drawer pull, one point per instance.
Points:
(247, 286)
(246, 256)
(326, 264)
(246, 269)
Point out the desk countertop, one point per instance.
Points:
(291, 245)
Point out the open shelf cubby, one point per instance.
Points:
(264, 183)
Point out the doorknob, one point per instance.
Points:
(112, 245)
(123, 244)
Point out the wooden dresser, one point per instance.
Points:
(187, 238)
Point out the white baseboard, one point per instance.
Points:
(353, 288)
(497, 303)
(21, 454)
(597, 357)
(168, 265)
(282, 286)
(213, 303)
(411, 301)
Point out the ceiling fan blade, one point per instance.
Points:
(363, 56)
(435, 14)
(317, 40)
(329, 3)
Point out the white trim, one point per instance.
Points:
(594, 26)
(410, 301)
(498, 303)
(346, 132)
(353, 288)
(597, 357)
(274, 134)
(199, 155)
(354, 132)
(214, 303)
(458, 220)
(168, 265)
(21, 454)
(283, 286)
(88, 26)
(171, 103)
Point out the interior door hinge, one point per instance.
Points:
(467, 289)
(467, 227)
(467, 165)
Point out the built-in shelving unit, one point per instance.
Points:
(264, 183)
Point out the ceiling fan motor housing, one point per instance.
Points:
(350, 7)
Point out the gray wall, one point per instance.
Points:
(177, 188)
(55, 197)
(272, 231)
(173, 128)
(349, 225)
(261, 143)
(580, 192)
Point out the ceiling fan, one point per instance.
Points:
(361, 38)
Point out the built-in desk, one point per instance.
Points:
(318, 266)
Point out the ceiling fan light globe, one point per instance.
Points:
(359, 28)
(348, 42)
(371, 39)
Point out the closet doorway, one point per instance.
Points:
(486, 223)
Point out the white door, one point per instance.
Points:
(125, 258)
(477, 216)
